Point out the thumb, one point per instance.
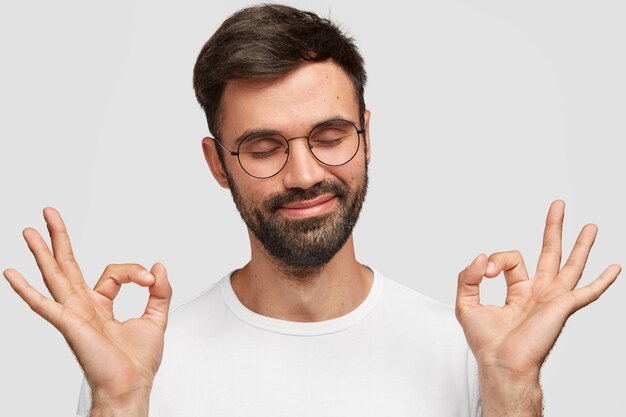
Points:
(160, 297)
(468, 289)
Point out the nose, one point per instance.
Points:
(302, 170)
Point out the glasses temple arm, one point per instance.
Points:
(233, 153)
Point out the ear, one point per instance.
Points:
(213, 160)
(367, 140)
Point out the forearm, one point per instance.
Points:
(506, 395)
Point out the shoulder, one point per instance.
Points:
(429, 333)
(412, 301)
(427, 317)
(199, 300)
(200, 312)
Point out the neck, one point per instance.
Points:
(332, 291)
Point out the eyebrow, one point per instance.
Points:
(252, 132)
(255, 132)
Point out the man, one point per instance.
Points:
(303, 328)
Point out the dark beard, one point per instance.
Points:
(303, 246)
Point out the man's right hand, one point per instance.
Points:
(119, 359)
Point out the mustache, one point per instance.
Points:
(296, 194)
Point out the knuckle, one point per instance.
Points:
(55, 274)
(68, 258)
(37, 305)
(34, 306)
(134, 267)
(594, 294)
(550, 248)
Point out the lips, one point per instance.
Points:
(308, 208)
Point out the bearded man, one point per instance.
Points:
(304, 328)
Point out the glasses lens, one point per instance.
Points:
(334, 142)
(263, 155)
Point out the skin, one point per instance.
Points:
(510, 342)
(119, 359)
(263, 285)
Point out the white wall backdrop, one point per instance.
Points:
(483, 112)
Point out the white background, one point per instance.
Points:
(483, 112)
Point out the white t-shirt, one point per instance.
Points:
(397, 354)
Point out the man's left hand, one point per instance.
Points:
(511, 342)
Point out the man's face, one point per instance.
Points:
(303, 215)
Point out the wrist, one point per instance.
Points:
(134, 404)
(509, 393)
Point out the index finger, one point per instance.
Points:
(550, 259)
(61, 246)
(114, 276)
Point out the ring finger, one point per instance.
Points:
(54, 278)
(573, 269)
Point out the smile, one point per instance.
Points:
(309, 208)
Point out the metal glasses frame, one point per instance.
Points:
(287, 149)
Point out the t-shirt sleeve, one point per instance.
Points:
(84, 400)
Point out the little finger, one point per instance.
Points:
(591, 292)
(46, 308)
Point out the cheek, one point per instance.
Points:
(253, 192)
(351, 172)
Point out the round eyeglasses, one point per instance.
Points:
(265, 153)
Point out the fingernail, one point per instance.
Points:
(491, 267)
(146, 274)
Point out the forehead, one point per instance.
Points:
(294, 103)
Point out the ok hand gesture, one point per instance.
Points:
(120, 359)
(511, 342)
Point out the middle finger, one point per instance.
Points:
(550, 258)
(61, 246)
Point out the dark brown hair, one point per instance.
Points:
(269, 41)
